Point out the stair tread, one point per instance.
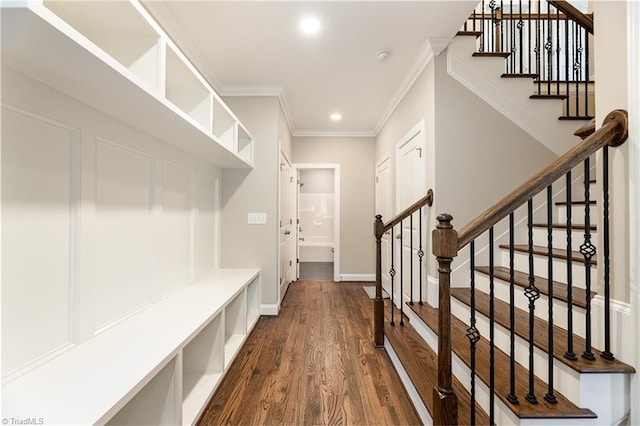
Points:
(420, 361)
(578, 203)
(460, 346)
(579, 227)
(542, 96)
(576, 117)
(557, 253)
(514, 75)
(521, 279)
(540, 340)
(469, 33)
(492, 54)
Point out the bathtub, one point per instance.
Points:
(316, 249)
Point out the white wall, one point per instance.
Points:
(356, 157)
(99, 221)
(256, 191)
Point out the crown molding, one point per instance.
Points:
(432, 47)
(333, 134)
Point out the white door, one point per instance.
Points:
(411, 185)
(286, 260)
(384, 207)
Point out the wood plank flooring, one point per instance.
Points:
(313, 364)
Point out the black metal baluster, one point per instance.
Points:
(401, 273)
(520, 26)
(537, 51)
(550, 396)
(411, 259)
(512, 398)
(529, 34)
(548, 46)
(472, 332)
(606, 354)
(532, 294)
(566, 61)
(577, 64)
(569, 354)
(586, 73)
(588, 250)
(484, 30)
(558, 50)
(392, 273)
(421, 254)
(492, 372)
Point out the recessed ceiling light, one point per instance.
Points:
(336, 116)
(310, 25)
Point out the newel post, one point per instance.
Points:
(378, 303)
(445, 247)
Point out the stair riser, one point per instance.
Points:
(540, 268)
(578, 215)
(566, 380)
(541, 310)
(559, 238)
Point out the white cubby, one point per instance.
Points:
(253, 303)
(245, 144)
(235, 330)
(202, 368)
(186, 91)
(224, 125)
(114, 57)
(120, 30)
(155, 403)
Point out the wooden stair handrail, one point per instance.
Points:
(564, 6)
(613, 132)
(427, 200)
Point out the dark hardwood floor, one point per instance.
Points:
(313, 364)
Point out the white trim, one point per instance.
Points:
(336, 207)
(358, 277)
(614, 305)
(269, 309)
(633, 60)
(419, 130)
(414, 396)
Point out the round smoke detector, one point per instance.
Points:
(383, 56)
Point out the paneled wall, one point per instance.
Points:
(99, 220)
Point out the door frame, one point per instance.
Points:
(336, 213)
(418, 129)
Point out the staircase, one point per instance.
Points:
(518, 334)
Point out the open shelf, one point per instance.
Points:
(120, 30)
(186, 91)
(202, 369)
(154, 404)
(112, 56)
(245, 144)
(224, 125)
(253, 303)
(234, 327)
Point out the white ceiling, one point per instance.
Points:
(256, 48)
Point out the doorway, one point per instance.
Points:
(318, 221)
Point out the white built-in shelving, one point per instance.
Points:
(160, 366)
(113, 56)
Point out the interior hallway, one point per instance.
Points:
(313, 364)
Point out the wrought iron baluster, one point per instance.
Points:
(588, 250)
(420, 253)
(577, 63)
(606, 354)
(512, 398)
(472, 332)
(537, 51)
(550, 396)
(520, 26)
(566, 62)
(492, 372)
(532, 294)
(401, 297)
(392, 274)
(411, 259)
(558, 50)
(569, 354)
(586, 73)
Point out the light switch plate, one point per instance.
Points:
(257, 218)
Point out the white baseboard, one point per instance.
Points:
(357, 277)
(271, 310)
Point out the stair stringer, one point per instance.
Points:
(510, 97)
